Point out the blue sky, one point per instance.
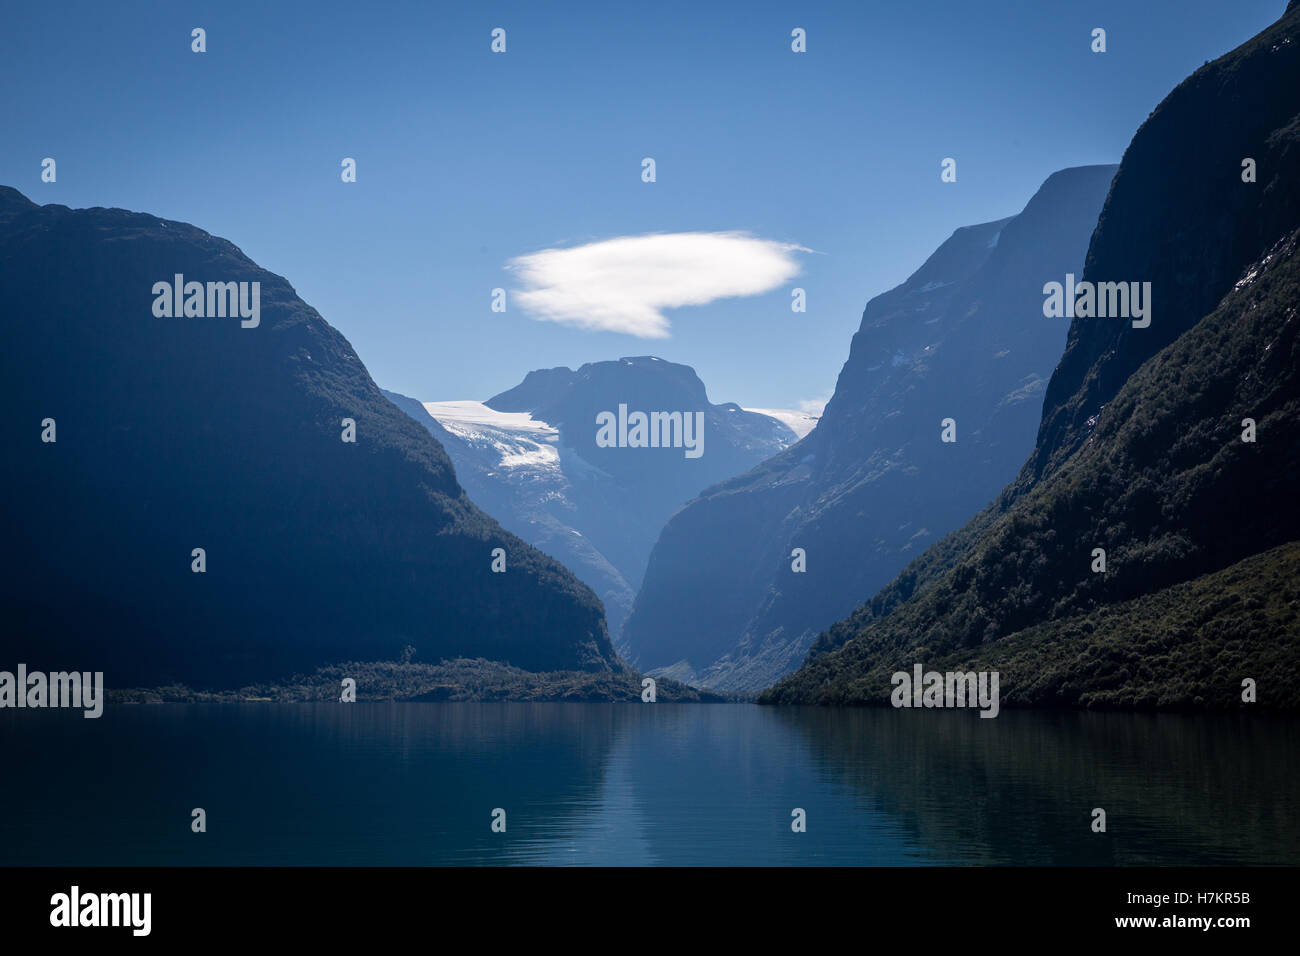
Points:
(468, 159)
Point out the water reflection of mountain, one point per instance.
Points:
(1020, 789)
(296, 784)
(631, 784)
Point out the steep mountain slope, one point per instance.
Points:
(174, 434)
(510, 466)
(964, 338)
(1141, 448)
(1199, 227)
(529, 457)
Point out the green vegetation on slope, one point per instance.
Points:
(1186, 647)
(455, 680)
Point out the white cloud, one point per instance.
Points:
(625, 284)
(813, 406)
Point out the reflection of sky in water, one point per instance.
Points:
(694, 785)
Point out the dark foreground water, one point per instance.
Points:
(416, 784)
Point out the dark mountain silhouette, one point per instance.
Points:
(183, 433)
(873, 485)
(1141, 449)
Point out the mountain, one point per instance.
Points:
(873, 485)
(510, 465)
(226, 434)
(530, 458)
(1142, 449)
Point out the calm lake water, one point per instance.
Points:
(634, 784)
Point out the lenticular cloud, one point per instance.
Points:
(625, 284)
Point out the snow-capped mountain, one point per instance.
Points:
(531, 458)
(799, 422)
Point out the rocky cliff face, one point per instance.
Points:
(1172, 448)
(1181, 218)
(965, 339)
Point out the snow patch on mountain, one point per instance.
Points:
(520, 440)
(801, 423)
